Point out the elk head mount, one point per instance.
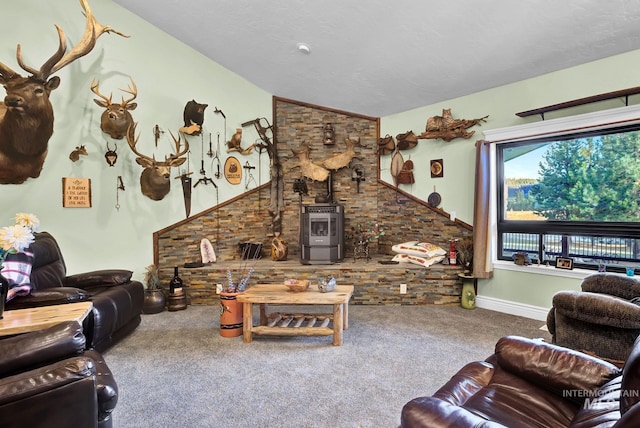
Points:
(26, 115)
(116, 118)
(155, 180)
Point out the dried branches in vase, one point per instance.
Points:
(247, 266)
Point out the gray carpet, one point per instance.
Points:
(176, 370)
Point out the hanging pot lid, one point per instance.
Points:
(434, 198)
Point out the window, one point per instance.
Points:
(572, 194)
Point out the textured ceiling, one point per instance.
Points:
(380, 57)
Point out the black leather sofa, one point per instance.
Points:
(117, 300)
(49, 379)
(530, 383)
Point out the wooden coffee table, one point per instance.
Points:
(298, 324)
(19, 321)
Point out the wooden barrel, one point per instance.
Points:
(230, 315)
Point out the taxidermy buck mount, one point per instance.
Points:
(448, 128)
(115, 119)
(26, 115)
(155, 180)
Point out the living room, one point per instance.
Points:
(117, 229)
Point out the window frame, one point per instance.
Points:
(624, 117)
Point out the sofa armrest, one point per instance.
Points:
(56, 375)
(104, 278)
(560, 370)
(48, 297)
(106, 385)
(26, 351)
(431, 412)
(598, 308)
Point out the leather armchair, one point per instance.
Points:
(117, 300)
(601, 319)
(528, 383)
(48, 379)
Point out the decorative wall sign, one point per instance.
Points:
(76, 192)
(233, 170)
(437, 169)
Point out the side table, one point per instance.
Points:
(18, 321)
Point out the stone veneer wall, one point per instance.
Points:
(246, 218)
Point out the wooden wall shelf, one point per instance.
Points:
(581, 101)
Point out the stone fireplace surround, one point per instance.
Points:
(246, 218)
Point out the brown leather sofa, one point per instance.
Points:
(600, 319)
(117, 300)
(49, 379)
(530, 383)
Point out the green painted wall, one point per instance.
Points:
(168, 74)
(501, 104)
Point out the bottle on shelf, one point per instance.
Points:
(175, 285)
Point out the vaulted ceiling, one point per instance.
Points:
(380, 57)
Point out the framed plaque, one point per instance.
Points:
(76, 192)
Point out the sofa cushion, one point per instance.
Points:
(104, 278)
(49, 268)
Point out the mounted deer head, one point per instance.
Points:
(155, 180)
(116, 119)
(26, 115)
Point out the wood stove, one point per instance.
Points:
(322, 234)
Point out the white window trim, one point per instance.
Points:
(590, 121)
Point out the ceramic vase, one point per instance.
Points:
(230, 315)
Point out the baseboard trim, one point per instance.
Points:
(513, 308)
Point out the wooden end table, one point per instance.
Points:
(295, 324)
(20, 321)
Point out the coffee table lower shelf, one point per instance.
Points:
(295, 324)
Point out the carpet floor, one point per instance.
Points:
(175, 370)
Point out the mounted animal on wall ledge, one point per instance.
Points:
(448, 128)
(116, 118)
(155, 179)
(26, 115)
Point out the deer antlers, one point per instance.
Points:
(95, 88)
(174, 159)
(93, 30)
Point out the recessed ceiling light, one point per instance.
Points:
(304, 48)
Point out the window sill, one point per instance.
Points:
(546, 270)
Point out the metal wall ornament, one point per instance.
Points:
(447, 128)
(329, 134)
(26, 115)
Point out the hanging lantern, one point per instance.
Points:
(329, 134)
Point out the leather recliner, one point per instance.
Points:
(117, 300)
(49, 379)
(528, 383)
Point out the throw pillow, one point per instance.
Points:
(17, 270)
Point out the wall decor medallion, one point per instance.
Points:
(233, 170)
(437, 169)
